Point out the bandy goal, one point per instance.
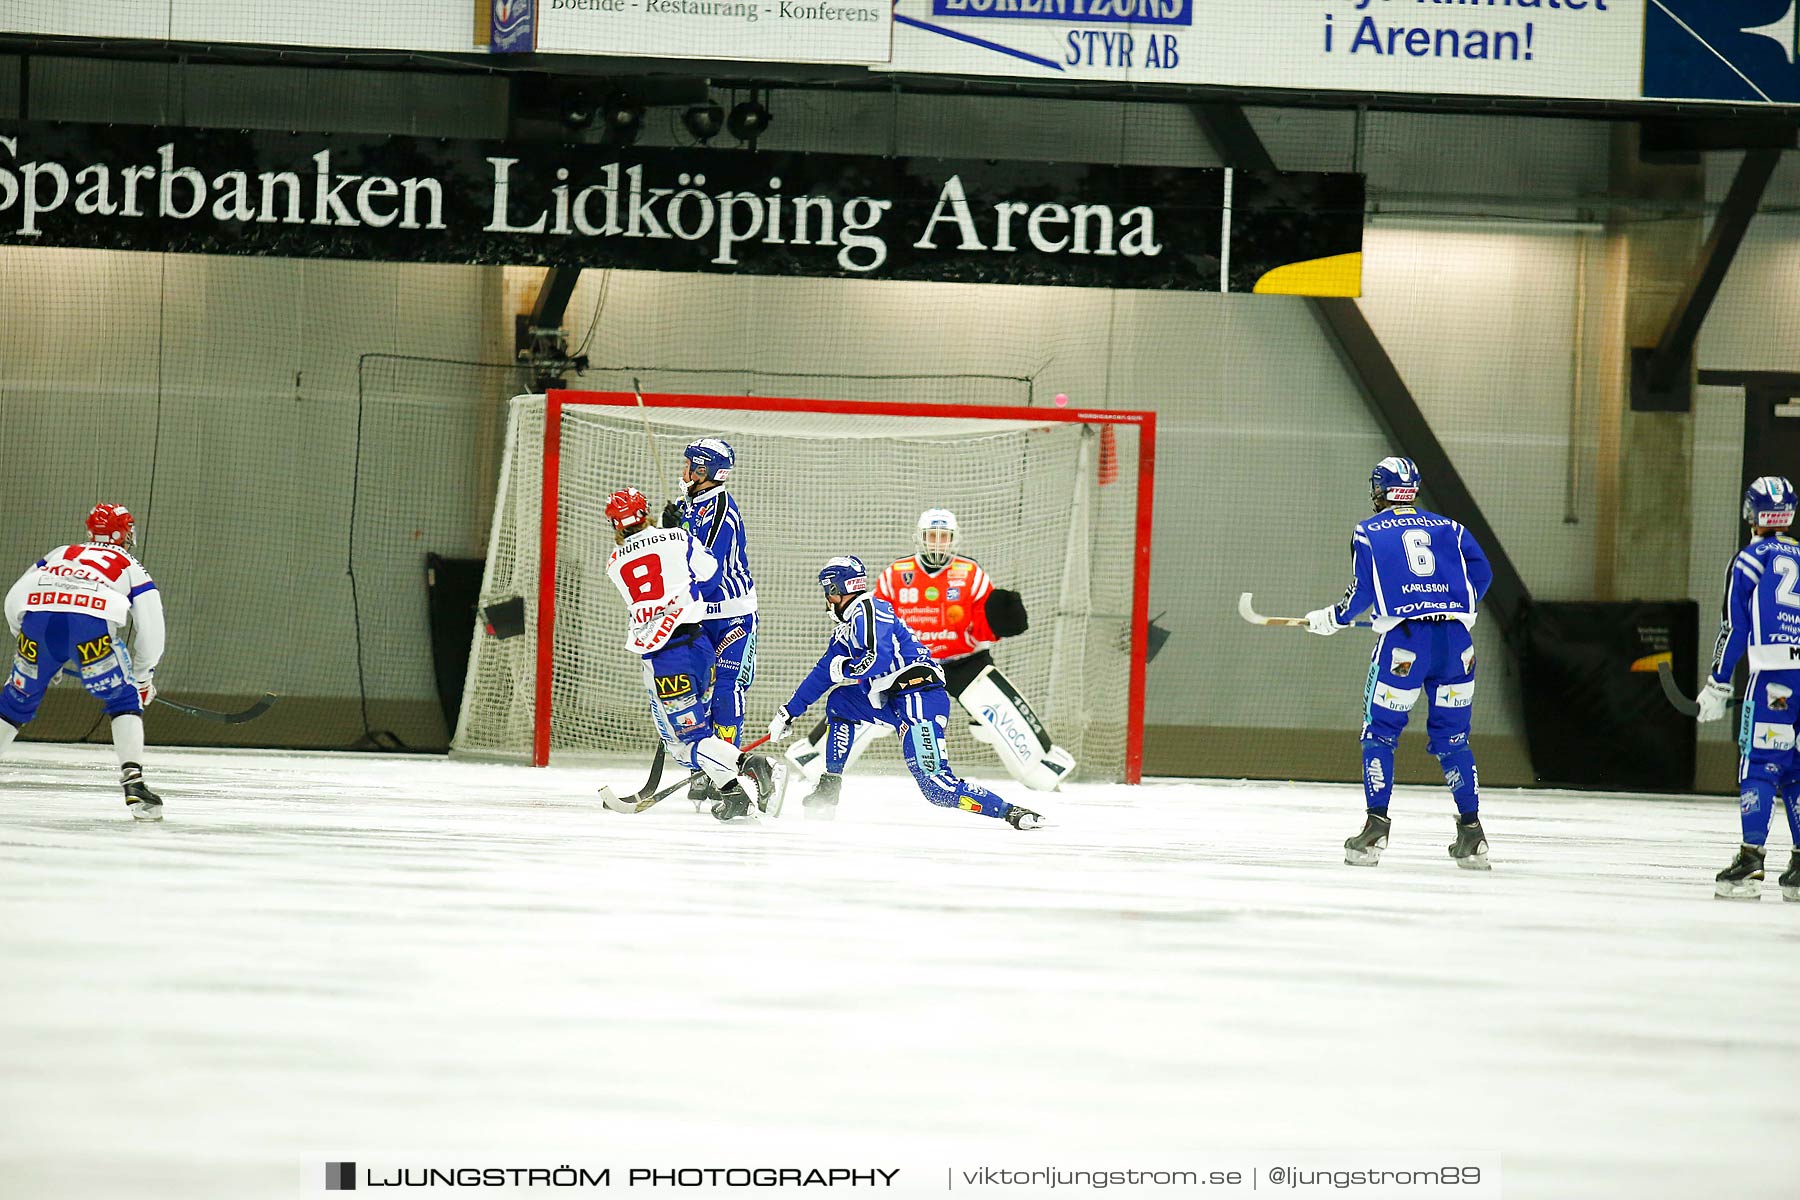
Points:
(1054, 503)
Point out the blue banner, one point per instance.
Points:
(1073, 12)
(1740, 50)
(514, 29)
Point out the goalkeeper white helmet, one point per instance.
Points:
(937, 537)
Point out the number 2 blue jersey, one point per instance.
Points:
(1762, 609)
(1410, 563)
(713, 519)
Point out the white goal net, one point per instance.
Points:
(1047, 504)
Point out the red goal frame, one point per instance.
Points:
(558, 399)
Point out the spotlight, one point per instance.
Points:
(748, 120)
(704, 120)
(577, 112)
(624, 119)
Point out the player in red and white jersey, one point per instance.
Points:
(659, 572)
(72, 607)
(957, 613)
(946, 608)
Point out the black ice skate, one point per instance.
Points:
(821, 805)
(1364, 849)
(1470, 847)
(1742, 880)
(1790, 878)
(733, 802)
(761, 770)
(144, 804)
(701, 790)
(1024, 818)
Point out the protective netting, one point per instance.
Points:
(277, 462)
(277, 421)
(1047, 508)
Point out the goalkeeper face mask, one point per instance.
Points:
(937, 537)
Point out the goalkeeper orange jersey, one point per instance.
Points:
(947, 610)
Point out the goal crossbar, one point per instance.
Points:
(557, 400)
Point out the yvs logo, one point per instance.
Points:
(670, 687)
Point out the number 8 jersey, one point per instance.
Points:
(1410, 564)
(658, 571)
(1762, 609)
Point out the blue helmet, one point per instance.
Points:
(1769, 502)
(843, 576)
(1394, 481)
(712, 455)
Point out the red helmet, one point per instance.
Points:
(111, 523)
(627, 506)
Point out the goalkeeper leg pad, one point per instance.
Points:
(1015, 733)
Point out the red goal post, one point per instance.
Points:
(559, 404)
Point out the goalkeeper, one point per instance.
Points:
(957, 613)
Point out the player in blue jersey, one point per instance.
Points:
(876, 670)
(1762, 622)
(660, 574)
(711, 517)
(1423, 574)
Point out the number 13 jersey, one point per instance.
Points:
(1410, 564)
(93, 578)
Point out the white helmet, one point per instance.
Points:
(937, 537)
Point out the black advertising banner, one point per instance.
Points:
(398, 199)
(1288, 235)
(1595, 714)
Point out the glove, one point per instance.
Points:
(146, 689)
(1712, 700)
(779, 725)
(836, 669)
(1322, 621)
(671, 518)
(1006, 613)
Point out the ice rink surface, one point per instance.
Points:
(321, 958)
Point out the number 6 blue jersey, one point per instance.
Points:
(1409, 564)
(1762, 609)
